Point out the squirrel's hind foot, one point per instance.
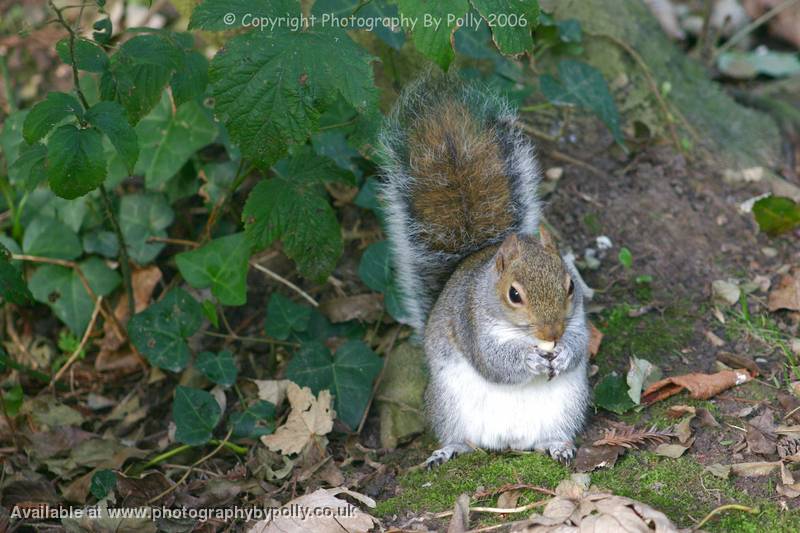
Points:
(444, 454)
(562, 451)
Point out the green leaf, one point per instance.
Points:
(47, 237)
(625, 257)
(348, 375)
(62, 289)
(109, 118)
(777, 214)
(28, 171)
(190, 81)
(211, 14)
(436, 24)
(47, 113)
(160, 331)
(196, 414)
(512, 23)
(88, 56)
(142, 216)
(103, 30)
(583, 86)
(285, 317)
(168, 140)
(269, 86)
(569, 31)
(12, 287)
(101, 242)
(13, 399)
(379, 12)
(254, 421)
(219, 368)
(103, 482)
(76, 162)
(376, 271)
(221, 265)
(301, 218)
(210, 312)
(611, 393)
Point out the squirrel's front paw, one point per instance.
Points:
(538, 361)
(563, 451)
(442, 455)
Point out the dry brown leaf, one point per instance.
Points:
(787, 294)
(630, 437)
(272, 390)
(595, 338)
(700, 386)
(739, 361)
(366, 307)
(757, 469)
(785, 24)
(591, 458)
(672, 451)
(508, 499)
(309, 419)
(342, 515)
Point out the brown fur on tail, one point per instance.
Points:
(461, 195)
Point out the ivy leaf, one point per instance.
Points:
(210, 15)
(254, 421)
(285, 317)
(160, 331)
(12, 287)
(103, 482)
(47, 237)
(583, 86)
(142, 216)
(76, 162)
(168, 140)
(611, 393)
(62, 289)
(221, 265)
(435, 41)
(109, 118)
(219, 368)
(376, 271)
(46, 114)
(776, 214)
(196, 414)
(268, 86)
(349, 375)
(88, 56)
(101, 242)
(514, 21)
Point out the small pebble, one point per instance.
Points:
(604, 243)
(769, 251)
(554, 173)
(761, 360)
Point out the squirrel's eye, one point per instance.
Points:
(571, 288)
(513, 296)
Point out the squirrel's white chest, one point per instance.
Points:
(526, 416)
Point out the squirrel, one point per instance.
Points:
(499, 311)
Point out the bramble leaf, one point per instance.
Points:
(76, 162)
(46, 114)
(221, 15)
(160, 331)
(375, 270)
(611, 393)
(512, 22)
(28, 171)
(109, 118)
(221, 265)
(88, 56)
(433, 40)
(196, 414)
(256, 420)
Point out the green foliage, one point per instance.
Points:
(348, 375)
(377, 273)
(109, 118)
(777, 214)
(255, 420)
(625, 257)
(143, 216)
(511, 22)
(103, 482)
(611, 393)
(285, 317)
(436, 23)
(76, 163)
(88, 56)
(221, 265)
(219, 368)
(12, 287)
(46, 114)
(160, 331)
(196, 413)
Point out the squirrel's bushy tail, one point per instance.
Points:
(458, 175)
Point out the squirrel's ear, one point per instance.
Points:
(508, 251)
(547, 239)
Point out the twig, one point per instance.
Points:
(555, 154)
(124, 260)
(728, 507)
(537, 133)
(286, 282)
(72, 38)
(498, 510)
(262, 340)
(172, 240)
(98, 304)
(741, 34)
(513, 486)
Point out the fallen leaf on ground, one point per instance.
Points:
(595, 338)
(591, 458)
(672, 451)
(366, 307)
(700, 386)
(756, 469)
(787, 294)
(309, 419)
(719, 470)
(725, 292)
(272, 390)
(340, 516)
(739, 361)
(714, 339)
(459, 523)
(785, 24)
(641, 373)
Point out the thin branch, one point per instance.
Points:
(72, 38)
(498, 510)
(262, 340)
(286, 282)
(97, 306)
(728, 507)
(741, 34)
(124, 260)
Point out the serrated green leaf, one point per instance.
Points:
(221, 265)
(109, 118)
(215, 15)
(88, 56)
(512, 23)
(28, 171)
(611, 393)
(583, 86)
(160, 331)
(190, 81)
(268, 86)
(218, 367)
(142, 216)
(349, 375)
(254, 421)
(62, 289)
(11, 136)
(47, 113)
(76, 162)
(12, 287)
(103, 482)
(776, 214)
(381, 12)
(301, 218)
(436, 23)
(285, 317)
(196, 414)
(47, 237)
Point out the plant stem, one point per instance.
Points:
(125, 263)
(12, 103)
(235, 448)
(166, 455)
(72, 37)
